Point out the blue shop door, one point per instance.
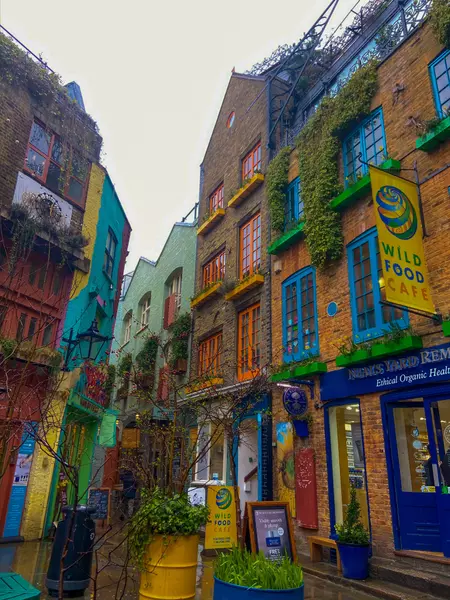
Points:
(416, 494)
(16, 502)
(438, 416)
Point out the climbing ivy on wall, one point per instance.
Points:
(440, 21)
(319, 145)
(276, 182)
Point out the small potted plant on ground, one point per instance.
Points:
(163, 538)
(353, 542)
(241, 575)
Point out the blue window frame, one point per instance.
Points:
(300, 335)
(440, 76)
(370, 318)
(293, 208)
(367, 140)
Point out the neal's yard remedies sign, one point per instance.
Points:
(399, 226)
(430, 365)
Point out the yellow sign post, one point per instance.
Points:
(399, 226)
(221, 531)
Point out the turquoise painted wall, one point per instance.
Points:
(179, 252)
(97, 298)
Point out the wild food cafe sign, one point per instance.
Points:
(430, 365)
(400, 233)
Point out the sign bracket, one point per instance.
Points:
(436, 317)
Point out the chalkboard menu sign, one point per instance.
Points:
(268, 529)
(99, 498)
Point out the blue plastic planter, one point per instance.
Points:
(355, 560)
(228, 591)
(301, 428)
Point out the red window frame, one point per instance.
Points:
(251, 162)
(216, 199)
(214, 270)
(210, 355)
(249, 342)
(50, 160)
(250, 247)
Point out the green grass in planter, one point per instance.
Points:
(242, 568)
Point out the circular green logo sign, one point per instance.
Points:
(223, 499)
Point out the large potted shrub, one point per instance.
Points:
(353, 541)
(164, 544)
(241, 575)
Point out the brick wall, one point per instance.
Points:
(408, 68)
(223, 163)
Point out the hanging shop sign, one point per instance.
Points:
(108, 428)
(268, 529)
(423, 367)
(295, 402)
(221, 530)
(400, 233)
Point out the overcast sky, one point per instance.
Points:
(153, 75)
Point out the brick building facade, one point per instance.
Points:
(359, 434)
(231, 339)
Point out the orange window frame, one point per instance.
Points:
(50, 160)
(249, 342)
(216, 199)
(250, 247)
(214, 270)
(251, 162)
(210, 355)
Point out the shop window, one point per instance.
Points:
(366, 144)
(214, 270)
(411, 437)
(110, 254)
(216, 199)
(347, 460)
(252, 162)
(293, 208)
(211, 453)
(250, 248)
(370, 317)
(210, 356)
(249, 342)
(63, 173)
(440, 76)
(299, 305)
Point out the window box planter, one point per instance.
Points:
(245, 286)
(287, 239)
(446, 328)
(245, 191)
(203, 385)
(362, 187)
(359, 356)
(180, 366)
(410, 342)
(295, 372)
(315, 368)
(206, 295)
(281, 376)
(211, 221)
(431, 140)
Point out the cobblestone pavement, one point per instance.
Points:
(30, 559)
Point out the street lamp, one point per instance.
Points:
(90, 343)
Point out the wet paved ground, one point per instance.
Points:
(31, 559)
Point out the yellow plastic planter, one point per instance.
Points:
(170, 568)
(245, 286)
(245, 191)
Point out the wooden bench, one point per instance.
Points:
(316, 544)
